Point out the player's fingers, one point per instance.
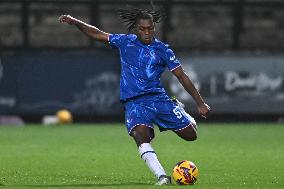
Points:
(63, 18)
(203, 116)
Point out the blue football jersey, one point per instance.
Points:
(141, 64)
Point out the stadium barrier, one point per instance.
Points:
(87, 83)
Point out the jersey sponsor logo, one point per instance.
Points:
(172, 58)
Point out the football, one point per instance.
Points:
(185, 172)
(64, 116)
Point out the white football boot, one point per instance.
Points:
(164, 180)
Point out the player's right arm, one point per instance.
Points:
(89, 30)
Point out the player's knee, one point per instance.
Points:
(188, 134)
(194, 132)
(192, 135)
(152, 135)
(142, 135)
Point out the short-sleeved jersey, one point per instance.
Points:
(142, 65)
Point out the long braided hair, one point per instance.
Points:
(131, 15)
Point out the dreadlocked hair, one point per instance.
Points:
(130, 16)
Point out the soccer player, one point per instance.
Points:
(143, 60)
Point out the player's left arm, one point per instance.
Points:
(203, 108)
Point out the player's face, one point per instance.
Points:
(145, 29)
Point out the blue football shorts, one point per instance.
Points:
(156, 109)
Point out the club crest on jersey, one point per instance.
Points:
(152, 53)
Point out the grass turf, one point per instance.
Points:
(103, 156)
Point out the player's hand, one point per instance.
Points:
(67, 19)
(203, 110)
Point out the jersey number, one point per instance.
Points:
(177, 112)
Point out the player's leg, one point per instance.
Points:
(143, 136)
(188, 133)
(139, 120)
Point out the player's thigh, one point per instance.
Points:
(136, 114)
(139, 122)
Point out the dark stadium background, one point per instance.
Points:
(232, 50)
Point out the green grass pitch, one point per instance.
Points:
(104, 156)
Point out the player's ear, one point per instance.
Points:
(135, 28)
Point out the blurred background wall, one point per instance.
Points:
(231, 49)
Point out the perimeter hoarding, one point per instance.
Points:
(235, 84)
(87, 83)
